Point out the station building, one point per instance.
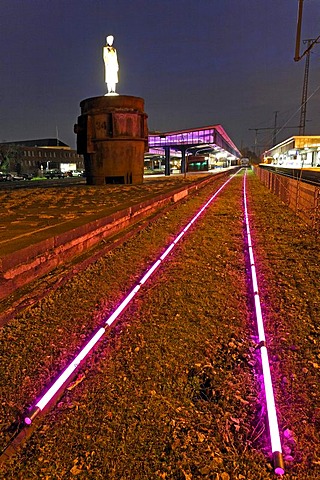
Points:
(197, 149)
(35, 156)
(295, 152)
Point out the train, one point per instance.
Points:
(244, 162)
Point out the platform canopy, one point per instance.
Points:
(197, 140)
(299, 151)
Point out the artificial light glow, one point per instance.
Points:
(150, 272)
(70, 369)
(254, 279)
(167, 251)
(259, 319)
(251, 256)
(179, 237)
(122, 306)
(271, 408)
(65, 375)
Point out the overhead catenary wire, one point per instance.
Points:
(267, 138)
(293, 115)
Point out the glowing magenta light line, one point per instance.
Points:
(186, 228)
(150, 272)
(64, 376)
(176, 240)
(271, 408)
(251, 256)
(167, 251)
(254, 279)
(275, 438)
(261, 334)
(40, 405)
(122, 306)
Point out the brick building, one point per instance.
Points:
(36, 156)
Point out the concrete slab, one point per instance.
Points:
(79, 219)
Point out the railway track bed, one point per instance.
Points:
(171, 392)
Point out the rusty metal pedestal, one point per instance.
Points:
(112, 134)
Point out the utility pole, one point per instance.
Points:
(257, 130)
(255, 139)
(310, 44)
(275, 129)
(297, 56)
(304, 100)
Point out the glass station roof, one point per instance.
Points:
(211, 137)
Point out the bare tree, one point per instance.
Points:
(9, 158)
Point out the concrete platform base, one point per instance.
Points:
(21, 267)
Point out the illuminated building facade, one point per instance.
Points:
(295, 152)
(206, 147)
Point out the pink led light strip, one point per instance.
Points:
(65, 375)
(271, 408)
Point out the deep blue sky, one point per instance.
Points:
(195, 62)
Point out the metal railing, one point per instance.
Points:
(302, 198)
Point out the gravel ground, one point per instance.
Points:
(28, 216)
(173, 392)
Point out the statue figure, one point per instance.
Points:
(111, 65)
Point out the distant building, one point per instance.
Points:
(295, 152)
(198, 149)
(36, 156)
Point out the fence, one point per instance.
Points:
(302, 198)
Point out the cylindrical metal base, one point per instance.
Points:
(32, 415)
(112, 135)
(278, 463)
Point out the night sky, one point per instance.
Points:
(195, 63)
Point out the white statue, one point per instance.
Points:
(111, 65)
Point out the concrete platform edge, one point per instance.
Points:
(23, 266)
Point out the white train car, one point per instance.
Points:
(244, 162)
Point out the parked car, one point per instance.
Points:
(16, 176)
(10, 177)
(27, 176)
(54, 173)
(77, 173)
(4, 177)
